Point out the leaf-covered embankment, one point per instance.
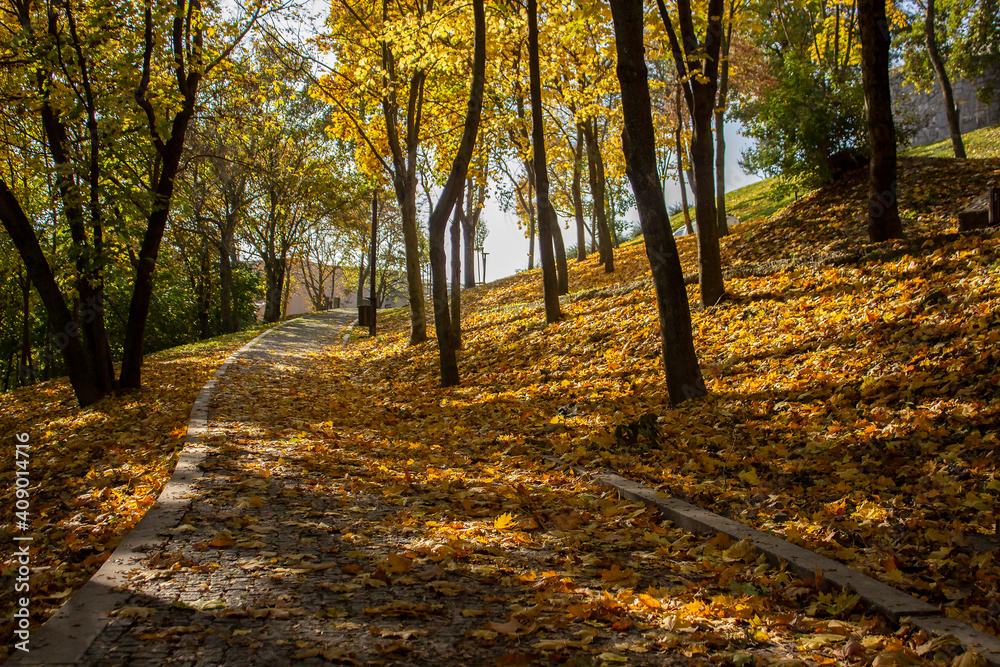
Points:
(853, 409)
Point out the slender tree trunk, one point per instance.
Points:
(597, 194)
(954, 127)
(684, 379)
(362, 272)
(227, 288)
(452, 187)
(142, 292)
(469, 223)
(559, 246)
(720, 133)
(709, 258)
(883, 215)
(609, 218)
(25, 375)
(531, 225)
(411, 248)
(581, 227)
(546, 215)
(456, 271)
(204, 290)
(680, 164)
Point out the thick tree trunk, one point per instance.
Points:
(67, 332)
(581, 227)
(597, 194)
(456, 271)
(954, 128)
(274, 280)
(546, 215)
(452, 187)
(883, 215)
(684, 379)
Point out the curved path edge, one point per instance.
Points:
(886, 600)
(66, 636)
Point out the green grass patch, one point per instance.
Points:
(979, 144)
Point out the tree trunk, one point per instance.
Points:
(883, 216)
(456, 270)
(698, 69)
(227, 288)
(954, 128)
(720, 134)
(562, 271)
(204, 290)
(531, 224)
(25, 375)
(581, 227)
(600, 221)
(362, 272)
(142, 291)
(546, 215)
(684, 379)
(67, 336)
(469, 223)
(452, 187)
(709, 258)
(411, 248)
(609, 218)
(274, 280)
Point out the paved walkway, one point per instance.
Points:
(177, 565)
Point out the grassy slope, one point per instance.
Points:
(983, 143)
(853, 409)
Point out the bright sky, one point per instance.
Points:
(507, 246)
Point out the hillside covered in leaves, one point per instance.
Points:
(853, 409)
(853, 403)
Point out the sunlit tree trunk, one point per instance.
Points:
(684, 379)
(546, 215)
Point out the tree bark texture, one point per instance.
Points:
(684, 379)
(883, 214)
(449, 195)
(67, 332)
(597, 194)
(698, 66)
(456, 270)
(951, 113)
(581, 227)
(546, 215)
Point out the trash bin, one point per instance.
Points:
(365, 315)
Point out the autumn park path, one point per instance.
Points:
(293, 532)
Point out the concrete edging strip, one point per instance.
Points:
(886, 600)
(66, 636)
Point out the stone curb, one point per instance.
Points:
(886, 600)
(66, 636)
(347, 335)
